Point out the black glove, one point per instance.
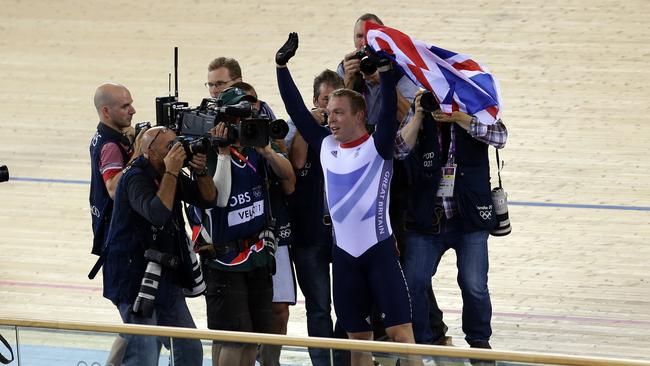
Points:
(287, 50)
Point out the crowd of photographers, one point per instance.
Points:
(263, 197)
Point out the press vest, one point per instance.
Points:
(243, 217)
(101, 204)
(471, 185)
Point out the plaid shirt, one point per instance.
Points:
(495, 135)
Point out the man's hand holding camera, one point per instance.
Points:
(351, 67)
(220, 131)
(320, 115)
(174, 159)
(460, 118)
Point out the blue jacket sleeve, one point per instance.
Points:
(309, 128)
(386, 127)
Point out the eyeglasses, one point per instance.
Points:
(218, 84)
(155, 137)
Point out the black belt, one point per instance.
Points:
(238, 245)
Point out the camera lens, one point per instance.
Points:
(278, 129)
(368, 65)
(199, 146)
(4, 173)
(428, 102)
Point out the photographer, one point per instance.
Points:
(110, 150)
(238, 258)
(448, 206)
(147, 239)
(367, 83)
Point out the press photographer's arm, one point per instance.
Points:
(281, 167)
(495, 134)
(173, 164)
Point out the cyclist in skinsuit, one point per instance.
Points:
(357, 168)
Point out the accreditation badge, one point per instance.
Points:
(446, 187)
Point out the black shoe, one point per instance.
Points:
(484, 345)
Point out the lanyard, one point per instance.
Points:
(452, 142)
(242, 158)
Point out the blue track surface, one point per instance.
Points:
(513, 203)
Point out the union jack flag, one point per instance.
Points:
(457, 81)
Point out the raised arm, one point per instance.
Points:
(386, 130)
(311, 131)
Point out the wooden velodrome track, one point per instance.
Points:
(572, 277)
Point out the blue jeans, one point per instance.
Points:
(423, 254)
(312, 263)
(145, 350)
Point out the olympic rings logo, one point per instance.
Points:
(284, 234)
(485, 215)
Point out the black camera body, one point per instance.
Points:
(428, 102)
(4, 173)
(369, 61)
(192, 146)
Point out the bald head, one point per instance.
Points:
(157, 139)
(114, 105)
(105, 94)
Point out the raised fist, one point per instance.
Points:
(287, 50)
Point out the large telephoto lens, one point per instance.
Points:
(4, 173)
(146, 299)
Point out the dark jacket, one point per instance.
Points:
(471, 186)
(141, 221)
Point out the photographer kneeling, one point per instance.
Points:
(238, 241)
(148, 263)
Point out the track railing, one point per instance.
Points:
(389, 348)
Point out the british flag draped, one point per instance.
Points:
(457, 81)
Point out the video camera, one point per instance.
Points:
(193, 124)
(233, 107)
(4, 173)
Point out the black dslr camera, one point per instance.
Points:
(428, 102)
(193, 145)
(4, 173)
(369, 61)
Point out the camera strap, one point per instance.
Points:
(500, 165)
(241, 157)
(3, 359)
(270, 220)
